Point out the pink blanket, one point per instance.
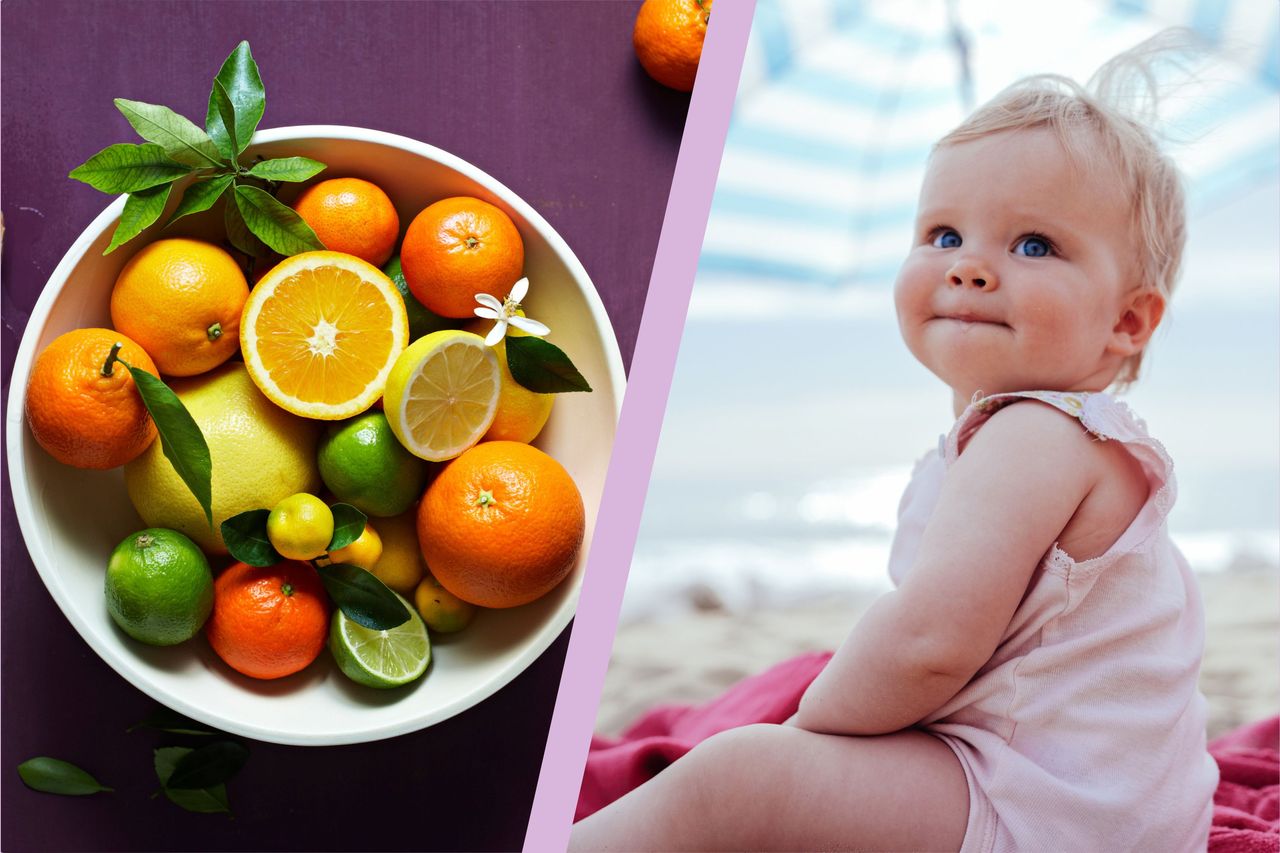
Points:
(1246, 814)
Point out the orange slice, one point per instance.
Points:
(320, 333)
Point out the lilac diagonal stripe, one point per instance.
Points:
(645, 403)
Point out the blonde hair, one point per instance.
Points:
(1108, 123)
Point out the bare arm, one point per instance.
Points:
(1003, 504)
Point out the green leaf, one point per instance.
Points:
(53, 776)
(205, 800)
(290, 169)
(542, 367)
(180, 437)
(200, 196)
(274, 223)
(242, 86)
(126, 168)
(246, 538)
(348, 524)
(177, 135)
(221, 100)
(209, 765)
(238, 232)
(165, 720)
(140, 210)
(365, 599)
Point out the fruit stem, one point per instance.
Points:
(472, 242)
(112, 358)
(485, 499)
(144, 540)
(287, 589)
(214, 332)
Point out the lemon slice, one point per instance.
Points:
(442, 394)
(320, 333)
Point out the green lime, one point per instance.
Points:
(443, 611)
(159, 587)
(363, 463)
(422, 320)
(300, 527)
(388, 658)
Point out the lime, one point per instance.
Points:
(422, 320)
(300, 527)
(401, 565)
(521, 413)
(440, 609)
(159, 587)
(373, 658)
(363, 464)
(363, 552)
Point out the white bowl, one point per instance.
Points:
(71, 519)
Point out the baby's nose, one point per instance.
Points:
(970, 272)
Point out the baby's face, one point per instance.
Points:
(1018, 269)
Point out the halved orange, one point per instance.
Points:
(320, 333)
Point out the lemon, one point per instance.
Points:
(261, 454)
(521, 413)
(363, 552)
(300, 527)
(364, 465)
(442, 394)
(382, 659)
(400, 565)
(440, 609)
(159, 588)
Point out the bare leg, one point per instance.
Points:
(781, 788)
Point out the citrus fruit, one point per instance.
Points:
(364, 465)
(80, 416)
(668, 40)
(300, 527)
(422, 321)
(268, 621)
(181, 300)
(363, 552)
(159, 587)
(440, 609)
(442, 394)
(351, 215)
(261, 454)
(521, 413)
(459, 247)
(389, 658)
(501, 524)
(320, 333)
(400, 565)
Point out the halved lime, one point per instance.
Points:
(389, 658)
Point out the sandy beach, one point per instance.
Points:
(692, 658)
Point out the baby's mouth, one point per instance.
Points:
(969, 318)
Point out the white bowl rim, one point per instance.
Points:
(19, 485)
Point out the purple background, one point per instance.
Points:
(547, 98)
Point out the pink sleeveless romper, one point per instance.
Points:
(1086, 729)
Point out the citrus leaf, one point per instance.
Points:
(206, 800)
(125, 168)
(208, 766)
(242, 85)
(245, 536)
(200, 196)
(221, 100)
(238, 232)
(366, 600)
(291, 169)
(348, 524)
(53, 776)
(180, 437)
(274, 223)
(542, 367)
(176, 134)
(165, 720)
(140, 210)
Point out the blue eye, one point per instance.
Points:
(1033, 247)
(946, 239)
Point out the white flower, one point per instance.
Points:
(505, 313)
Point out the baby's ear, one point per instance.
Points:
(1139, 316)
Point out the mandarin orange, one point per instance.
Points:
(501, 524)
(82, 416)
(459, 247)
(269, 621)
(353, 216)
(668, 40)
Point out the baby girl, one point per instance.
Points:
(1030, 683)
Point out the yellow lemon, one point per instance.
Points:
(401, 565)
(521, 413)
(300, 527)
(364, 552)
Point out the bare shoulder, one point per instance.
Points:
(1036, 436)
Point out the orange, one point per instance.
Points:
(459, 247)
(80, 416)
(181, 300)
(501, 525)
(320, 333)
(353, 216)
(668, 40)
(268, 622)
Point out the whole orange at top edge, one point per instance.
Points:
(668, 40)
(501, 525)
(270, 621)
(181, 300)
(80, 416)
(353, 216)
(459, 247)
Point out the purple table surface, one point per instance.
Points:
(547, 98)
